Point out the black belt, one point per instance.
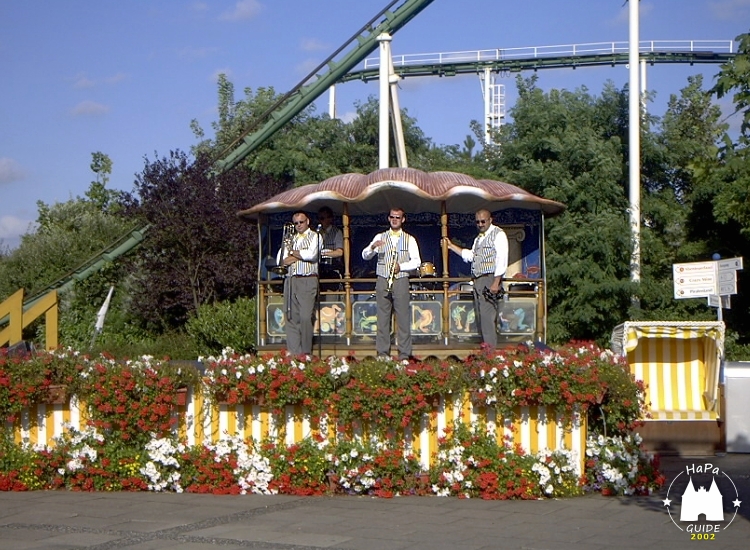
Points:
(482, 275)
(313, 275)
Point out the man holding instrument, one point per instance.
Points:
(398, 253)
(300, 256)
(489, 261)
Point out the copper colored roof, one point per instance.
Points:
(408, 188)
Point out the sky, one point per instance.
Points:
(127, 78)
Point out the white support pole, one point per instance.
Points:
(384, 128)
(398, 127)
(634, 119)
(487, 105)
(332, 101)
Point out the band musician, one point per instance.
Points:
(489, 261)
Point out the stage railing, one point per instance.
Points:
(442, 312)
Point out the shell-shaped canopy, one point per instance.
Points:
(407, 188)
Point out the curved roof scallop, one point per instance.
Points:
(407, 188)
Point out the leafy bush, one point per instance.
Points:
(173, 344)
(18, 466)
(224, 325)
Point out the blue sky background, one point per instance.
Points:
(126, 78)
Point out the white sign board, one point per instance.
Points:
(706, 279)
(730, 263)
(695, 280)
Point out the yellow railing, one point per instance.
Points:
(200, 421)
(18, 319)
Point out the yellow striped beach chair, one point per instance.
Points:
(679, 363)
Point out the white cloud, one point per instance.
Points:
(306, 67)
(89, 108)
(731, 10)
(349, 116)
(10, 171)
(193, 54)
(83, 81)
(11, 229)
(312, 44)
(115, 78)
(244, 9)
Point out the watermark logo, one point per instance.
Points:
(705, 493)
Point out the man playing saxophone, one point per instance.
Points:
(398, 253)
(300, 256)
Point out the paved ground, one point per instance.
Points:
(149, 521)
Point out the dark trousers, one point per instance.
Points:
(300, 295)
(396, 301)
(485, 311)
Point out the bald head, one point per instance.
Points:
(483, 218)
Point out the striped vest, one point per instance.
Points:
(484, 253)
(305, 241)
(386, 254)
(329, 238)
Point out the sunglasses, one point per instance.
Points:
(300, 223)
(482, 222)
(394, 217)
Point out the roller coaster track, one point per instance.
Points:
(121, 246)
(533, 58)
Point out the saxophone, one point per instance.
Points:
(287, 245)
(392, 273)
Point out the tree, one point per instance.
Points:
(67, 234)
(566, 146)
(197, 250)
(674, 223)
(98, 193)
(310, 148)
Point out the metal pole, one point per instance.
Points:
(634, 118)
(385, 55)
(487, 105)
(332, 101)
(398, 128)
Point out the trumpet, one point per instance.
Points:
(287, 244)
(392, 273)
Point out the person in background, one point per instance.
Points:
(333, 239)
(489, 261)
(397, 253)
(301, 285)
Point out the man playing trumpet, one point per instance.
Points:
(398, 253)
(300, 256)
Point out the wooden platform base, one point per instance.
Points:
(420, 351)
(682, 437)
(422, 348)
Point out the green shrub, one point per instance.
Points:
(175, 345)
(222, 325)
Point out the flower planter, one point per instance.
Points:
(180, 397)
(333, 482)
(56, 394)
(223, 399)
